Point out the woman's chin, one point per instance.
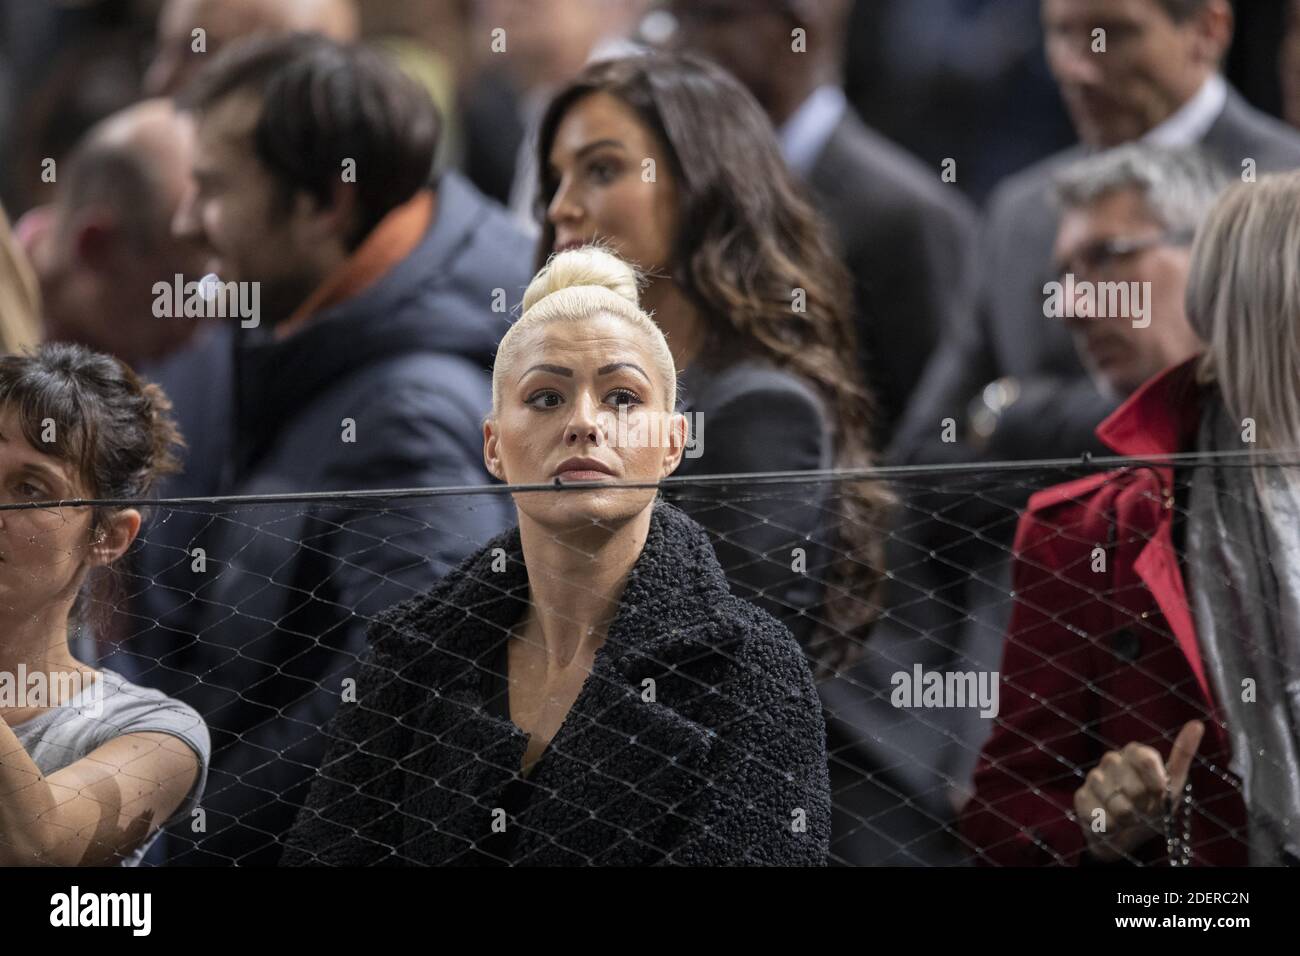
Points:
(576, 507)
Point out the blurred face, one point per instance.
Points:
(232, 209)
(1151, 65)
(226, 21)
(45, 551)
(548, 41)
(1118, 355)
(581, 402)
(175, 61)
(97, 273)
(605, 190)
(747, 39)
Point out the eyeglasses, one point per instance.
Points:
(1101, 256)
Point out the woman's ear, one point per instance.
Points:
(491, 451)
(114, 536)
(677, 430)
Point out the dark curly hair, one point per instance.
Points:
(114, 428)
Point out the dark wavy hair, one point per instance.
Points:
(748, 237)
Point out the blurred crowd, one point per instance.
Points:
(847, 220)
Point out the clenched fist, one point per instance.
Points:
(1129, 786)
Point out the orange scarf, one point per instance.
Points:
(395, 238)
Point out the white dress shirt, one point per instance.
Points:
(804, 135)
(1190, 122)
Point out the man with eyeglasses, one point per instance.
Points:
(1128, 216)
(1128, 71)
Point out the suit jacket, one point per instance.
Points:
(907, 238)
(1096, 661)
(1009, 335)
(725, 764)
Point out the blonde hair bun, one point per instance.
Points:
(589, 266)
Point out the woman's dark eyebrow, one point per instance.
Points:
(553, 369)
(589, 148)
(598, 144)
(38, 466)
(615, 366)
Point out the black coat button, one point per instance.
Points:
(1126, 645)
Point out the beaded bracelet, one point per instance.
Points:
(1178, 844)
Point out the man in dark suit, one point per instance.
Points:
(1157, 80)
(904, 232)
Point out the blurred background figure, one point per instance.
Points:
(1008, 383)
(20, 295)
(1129, 215)
(542, 45)
(380, 287)
(1157, 80)
(223, 21)
(106, 240)
(64, 66)
(959, 79)
(905, 235)
(1289, 65)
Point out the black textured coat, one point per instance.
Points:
(725, 765)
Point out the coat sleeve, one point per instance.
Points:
(381, 553)
(352, 815)
(767, 800)
(1041, 748)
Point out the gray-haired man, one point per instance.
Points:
(1122, 253)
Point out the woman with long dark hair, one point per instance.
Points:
(670, 162)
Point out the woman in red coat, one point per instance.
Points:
(1151, 678)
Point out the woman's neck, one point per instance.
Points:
(38, 641)
(575, 582)
(677, 317)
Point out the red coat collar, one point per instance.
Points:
(1160, 418)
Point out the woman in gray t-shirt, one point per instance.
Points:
(91, 765)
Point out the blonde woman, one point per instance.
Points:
(585, 689)
(1151, 700)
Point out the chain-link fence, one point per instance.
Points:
(429, 724)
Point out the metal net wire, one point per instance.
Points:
(272, 618)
